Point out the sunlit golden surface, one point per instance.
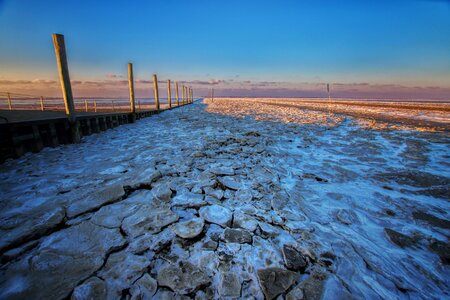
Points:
(375, 115)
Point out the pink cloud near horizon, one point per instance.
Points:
(117, 87)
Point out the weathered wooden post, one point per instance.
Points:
(187, 95)
(42, 103)
(9, 101)
(155, 87)
(132, 118)
(178, 98)
(168, 94)
(95, 105)
(182, 95)
(85, 105)
(61, 58)
(212, 95)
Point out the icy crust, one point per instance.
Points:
(190, 204)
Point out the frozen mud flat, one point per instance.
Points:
(207, 202)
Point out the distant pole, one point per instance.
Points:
(139, 105)
(182, 94)
(63, 69)
(131, 86)
(168, 94)
(95, 105)
(212, 95)
(9, 101)
(113, 107)
(155, 86)
(85, 105)
(42, 103)
(178, 98)
(328, 90)
(190, 94)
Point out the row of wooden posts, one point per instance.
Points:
(61, 58)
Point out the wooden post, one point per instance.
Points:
(155, 87)
(212, 95)
(63, 69)
(178, 98)
(9, 101)
(85, 105)
(182, 94)
(168, 94)
(131, 86)
(95, 105)
(113, 107)
(139, 105)
(42, 103)
(187, 95)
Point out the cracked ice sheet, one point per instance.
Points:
(349, 157)
(346, 156)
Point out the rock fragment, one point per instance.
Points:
(162, 192)
(188, 199)
(222, 170)
(144, 288)
(61, 261)
(229, 182)
(148, 219)
(217, 214)
(240, 236)
(442, 249)
(93, 288)
(274, 281)
(17, 228)
(241, 220)
(183, 278)
(346, 216)
(229, 285)
(92, 201)
(121, 270)
(293, 259)
(398, 238)
(189, 229)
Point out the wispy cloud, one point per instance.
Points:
(117, 87)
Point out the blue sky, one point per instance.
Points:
(405, 43)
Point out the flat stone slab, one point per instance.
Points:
(293, 259)
(62, 260)
(274, 281)
(229, 182)
(230, 285)
(189, 229)
(148, 218)
(187, 200)
(95, 200)
(17, 228)
(234, 235)
(217, 214)
(183, 278)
